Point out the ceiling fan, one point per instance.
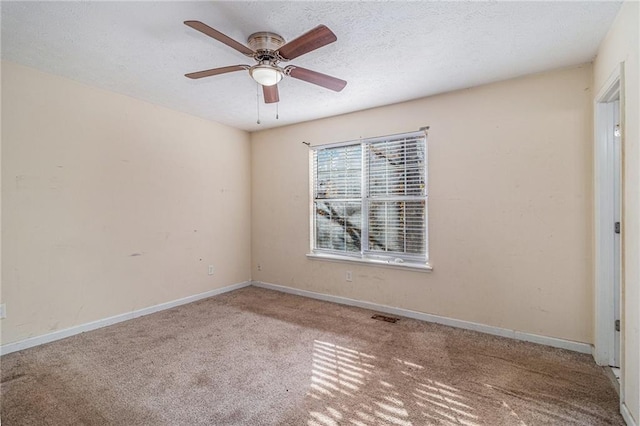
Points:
(268, 50)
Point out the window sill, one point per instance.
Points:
(418, 267)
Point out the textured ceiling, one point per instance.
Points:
(387, 51)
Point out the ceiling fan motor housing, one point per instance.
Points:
(265, 44)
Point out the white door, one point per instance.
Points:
(617, 264)
(609, 343)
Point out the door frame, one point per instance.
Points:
(604, 218)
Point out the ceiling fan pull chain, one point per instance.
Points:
(277, 113)
(258, 101)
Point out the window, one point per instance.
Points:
(370, 199)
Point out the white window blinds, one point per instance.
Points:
(370, 198)
(337, 198)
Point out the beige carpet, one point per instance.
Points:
(259, 357)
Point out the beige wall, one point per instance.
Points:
(621, 45)
(111, 204)
(510, 206)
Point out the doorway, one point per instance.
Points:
(609, 227)
(615, 129)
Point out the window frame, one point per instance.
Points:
(366, 256)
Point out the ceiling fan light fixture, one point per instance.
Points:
(266, 75)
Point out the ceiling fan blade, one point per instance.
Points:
(307, 42)
(216, 71)
(270, 94)
(315, 77)
(205, 29)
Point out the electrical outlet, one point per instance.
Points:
(348, 276)
(259, 267)
(210, 269)
(3, 311)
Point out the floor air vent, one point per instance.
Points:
(385, 318)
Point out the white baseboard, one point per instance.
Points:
(626, 415)
(67, 332)
(488, 329)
